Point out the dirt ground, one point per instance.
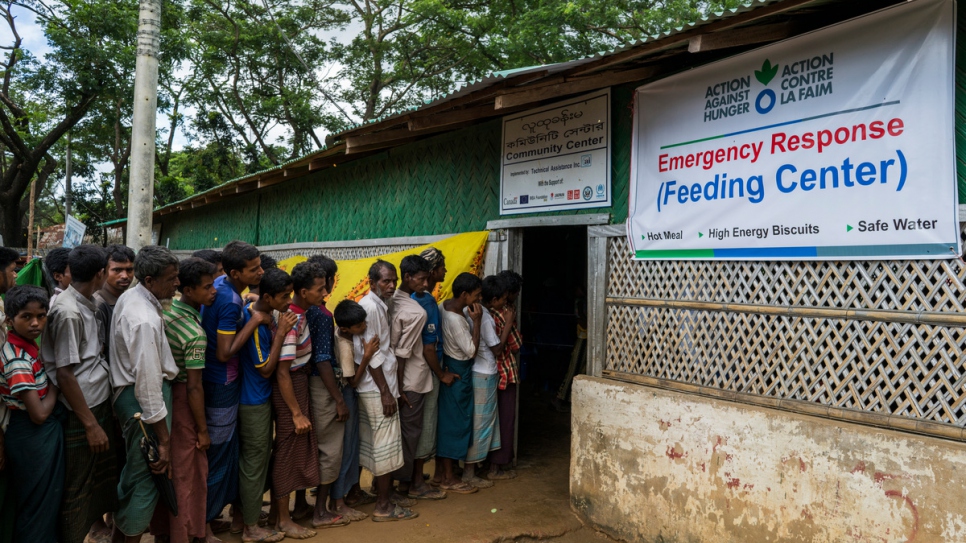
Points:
(533, 507)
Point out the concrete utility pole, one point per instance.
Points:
(140, 196)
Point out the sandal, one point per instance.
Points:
(218, 526)
(273, 537)
(398, 513)
(335, 522)
(365, 498)
(459, 488)
(400, 500)
(304, 534)
(502, 475)
(477, 482)
(353, 515)
(428, 494)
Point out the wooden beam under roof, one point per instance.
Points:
(685, 37)
(392, 138)
(742, 36)
(575, 86)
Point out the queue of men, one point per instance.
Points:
(243, 382)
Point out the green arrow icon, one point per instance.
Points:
(848, 228)
(700, 234)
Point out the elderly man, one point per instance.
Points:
(380, 438)
(142, 369)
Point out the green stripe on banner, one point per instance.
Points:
(677, 253)
(913, 249)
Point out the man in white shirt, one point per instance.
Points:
(142, 369)
(380, 438)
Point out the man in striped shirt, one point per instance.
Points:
(189, 431)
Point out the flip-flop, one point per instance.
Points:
(218, 526)
(273, 537)
(339, 520)
(400, 500)
(365, 499)
(428, 494)
(398, 513)
(354, 515)
(459, 488)
(502, 475)
(478, 482)
(307, 534)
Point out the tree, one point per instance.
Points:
(40, 101)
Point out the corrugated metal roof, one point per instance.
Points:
(487, 81)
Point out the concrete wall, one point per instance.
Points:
(654, 465)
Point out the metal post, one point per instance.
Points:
(140, 195)
(68, 189)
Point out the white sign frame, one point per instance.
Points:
(895, 64)
(573, 170)
(74, 231)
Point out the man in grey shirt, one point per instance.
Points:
(120, 272)
(72, 352)
(142, 369)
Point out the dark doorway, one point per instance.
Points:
(554, 302)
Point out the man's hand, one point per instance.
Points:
(163, 465)
(476, 313)
(286, 322)
(388, 404)
(341, 411)
(403, 399)
(262, 317)
(97, 439)
(302, 424)
(448, 378)
(204, 441)
(510, 315)
(371, 348)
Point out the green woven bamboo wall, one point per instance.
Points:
(449, 183)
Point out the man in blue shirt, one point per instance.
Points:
(226, 337)
(433, 353)
(258, 361)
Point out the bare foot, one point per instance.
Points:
(353, 515)
(294, 531)
(263, 535)
(211, 538)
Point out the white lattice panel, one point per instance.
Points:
(910, 370)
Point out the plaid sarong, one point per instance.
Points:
(426, 447)
(35, 467)
(486, 424)
(90, 485)
(295, 460)
(136, 494)
(380, 438)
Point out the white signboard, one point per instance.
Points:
(834, 145)
(73, 232)
(557, 157)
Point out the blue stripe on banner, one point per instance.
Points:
(895, 250)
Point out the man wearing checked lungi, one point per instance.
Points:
(73, 353)
(142, 370)
(380, 439)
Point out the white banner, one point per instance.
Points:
(557, 157)
(833, 145)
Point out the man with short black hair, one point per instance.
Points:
(406, 322)
(72, 350)
(142, 370)
(57, 266)
(120, 272)
(8, 280)
(222, 386)
(212, 256)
